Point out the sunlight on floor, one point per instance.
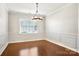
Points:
(29, 52)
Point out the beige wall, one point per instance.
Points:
(14, 28)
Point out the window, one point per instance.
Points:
(28, 26)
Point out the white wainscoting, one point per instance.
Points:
(67, 39)
(3, 42)
(78, 43)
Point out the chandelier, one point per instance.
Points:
(37, 16)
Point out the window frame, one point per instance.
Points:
(25, 19)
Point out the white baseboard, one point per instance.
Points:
(60, 44)
(3, 48)
(25, 40)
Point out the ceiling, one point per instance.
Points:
(44, 8)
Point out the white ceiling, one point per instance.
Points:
(44, 8)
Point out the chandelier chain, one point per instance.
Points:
(36, 8)
(36, 16)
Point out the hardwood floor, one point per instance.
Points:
(44, 48)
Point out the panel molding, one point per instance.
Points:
(3, 48)
(3, 42)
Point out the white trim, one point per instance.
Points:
(3, 48)
(60, 8)
(60, 44)
(25, 40)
